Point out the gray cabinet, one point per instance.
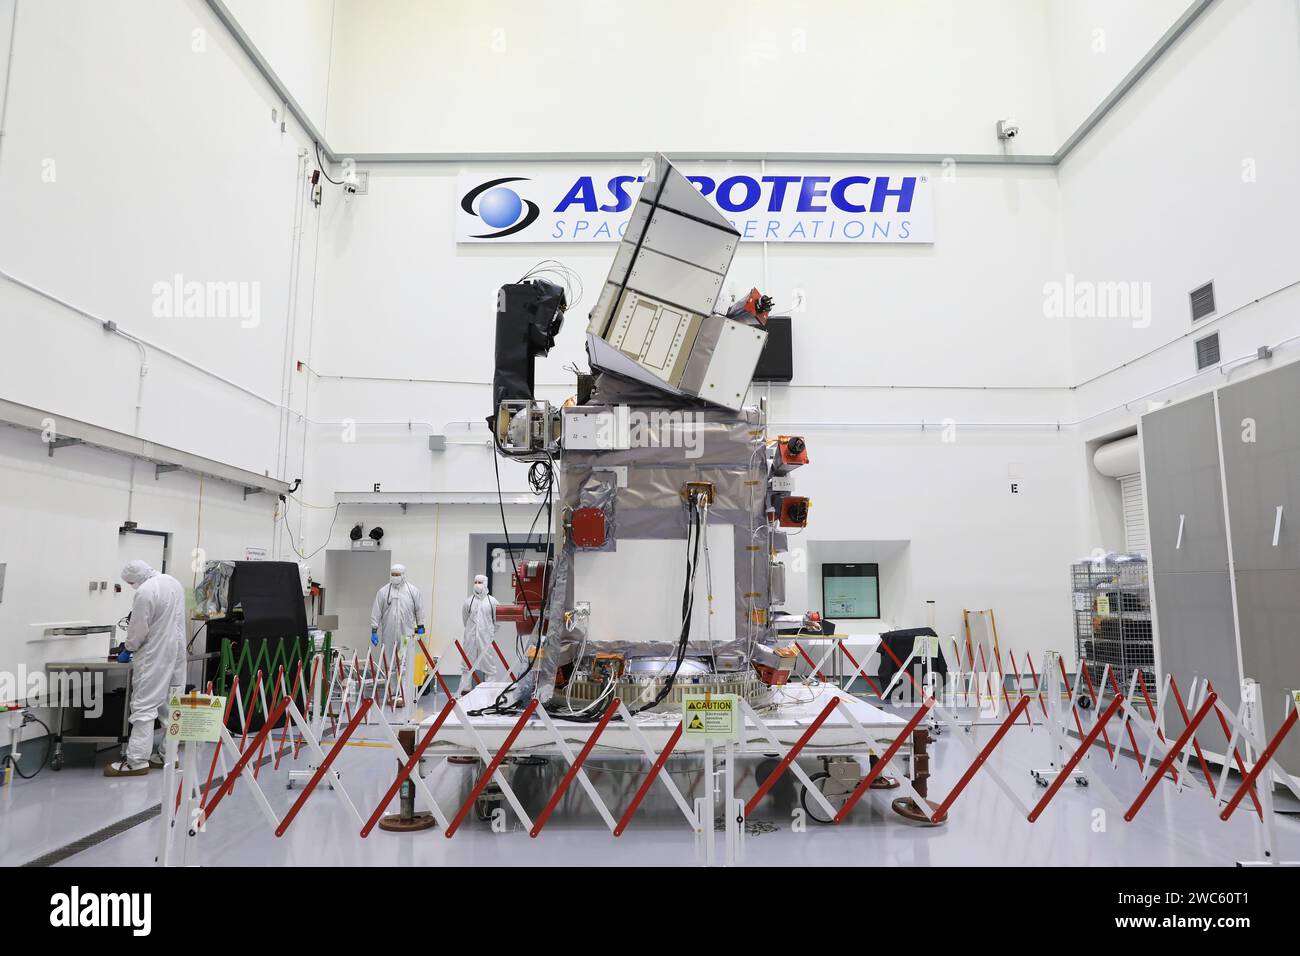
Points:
(1222, 615)
(1180, 448)
(1261, 463)
(1190, 583)
(1268, 613)
(1260, 420)
(1196, 633)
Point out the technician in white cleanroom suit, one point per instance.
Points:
(398, 611)
(155, 642)
(480, 618)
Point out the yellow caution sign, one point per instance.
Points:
(715, 717)
(195, 717)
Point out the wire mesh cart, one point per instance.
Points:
(1112, 620)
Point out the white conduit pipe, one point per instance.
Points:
(9, 71)
(1225, 368)
(105, 325)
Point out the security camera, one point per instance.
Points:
(1007, 129)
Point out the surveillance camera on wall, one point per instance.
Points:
(1007, 129)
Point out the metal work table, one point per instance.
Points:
(99, 665)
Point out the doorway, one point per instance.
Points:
(352, 579)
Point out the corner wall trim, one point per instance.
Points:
(222, 13)
(1134, 76)
(1144, 65)
(106, 439)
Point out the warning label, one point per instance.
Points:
(195, 717)
(715, 717)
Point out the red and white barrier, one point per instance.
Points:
(194, 806)
(1254, 752)
(1098, 735)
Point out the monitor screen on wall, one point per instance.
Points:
(851, 590)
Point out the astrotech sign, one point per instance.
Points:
(826, 204)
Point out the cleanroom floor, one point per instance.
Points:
(77, 817)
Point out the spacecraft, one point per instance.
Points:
(671, 501)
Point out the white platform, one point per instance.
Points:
(796, 708)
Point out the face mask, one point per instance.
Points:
(396, 580)
(480, 588)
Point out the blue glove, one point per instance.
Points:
(124, 656)
(420, 630)
(374, 637)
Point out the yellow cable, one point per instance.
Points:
(198, 541)
(428, 614)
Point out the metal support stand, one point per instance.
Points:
(316, 717)
(1256, 736)
(407, 820)
(706, 814)
(734, 809)
(62, 443)
(906, 807)
(1056, 744)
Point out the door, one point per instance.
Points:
(1197, 637)
(1269, 609)
(1261, 462)
(1195, 622)
(150, 548)
(1180, 452)
(352, 579)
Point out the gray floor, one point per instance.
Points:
(1079, 829)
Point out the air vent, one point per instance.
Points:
(1207, 351)
(1202, 301)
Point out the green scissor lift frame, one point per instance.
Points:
(272, 653)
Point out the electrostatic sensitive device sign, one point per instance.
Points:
(716, 717)
(195, 717)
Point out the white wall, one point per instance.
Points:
(59, 520)
(394, 321)
(119, 171)
(433, 541)
(1189, 179)
(296, 37)
(894, 333)
(576, 75)
(138, 144)
(1093, 44)
(891, 334)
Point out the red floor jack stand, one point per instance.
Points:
(906, 807)
(406, 820)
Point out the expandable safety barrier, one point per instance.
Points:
(1080, 741)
